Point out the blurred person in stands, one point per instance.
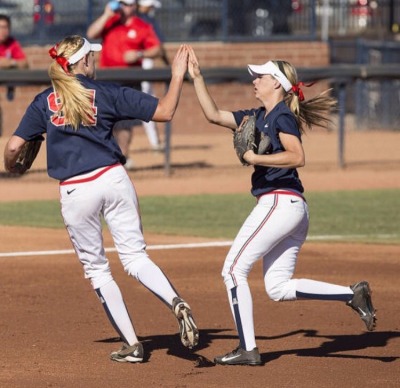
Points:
(146, 11)
(127, 40)
(12, 55)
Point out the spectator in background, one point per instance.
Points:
(259, 17)
(127, 40)
(11, 54)
(146, 11)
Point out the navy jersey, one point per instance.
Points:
(280, 119)
(73, 152)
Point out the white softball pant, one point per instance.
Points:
(106, 192)
(275, 230)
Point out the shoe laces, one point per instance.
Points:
(234, 351)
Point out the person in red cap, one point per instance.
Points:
(147, 11)
(127, 40)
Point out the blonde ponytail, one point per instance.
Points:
(314, 111)
(76, 102)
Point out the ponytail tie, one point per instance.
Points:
(298, 92)
(62, 61)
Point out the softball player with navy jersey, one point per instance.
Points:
(77, 115)
(277, 227)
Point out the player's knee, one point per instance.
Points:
(274, 292)
(234, 278)
(133, 266)
(280, 291)
(100, 279)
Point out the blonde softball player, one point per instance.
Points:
(77, 114)
(277, 227)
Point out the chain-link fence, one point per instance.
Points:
(339, 21)
(44, 21)
(375, 104)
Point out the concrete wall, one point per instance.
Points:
(189, 116)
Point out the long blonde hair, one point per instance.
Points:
(314, 111)
(76, 102)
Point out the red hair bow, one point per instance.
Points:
(298, 92)
(62, 61)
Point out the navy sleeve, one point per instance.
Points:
(287, 124)
(132, 103)
(33, 123)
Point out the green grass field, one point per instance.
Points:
(363, 216)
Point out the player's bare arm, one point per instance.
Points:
(208, 105)
(169, 102)
(292, 157)
(11, 152)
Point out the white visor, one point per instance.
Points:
(271, 69)
(85, 49)
(150, 3)
(129, 2)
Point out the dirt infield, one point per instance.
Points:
(55, 334)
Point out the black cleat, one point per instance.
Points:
(240, 356)
(128, 353)
(362, 304)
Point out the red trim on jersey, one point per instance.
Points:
(89, 178)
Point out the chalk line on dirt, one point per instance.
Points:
(210, 244)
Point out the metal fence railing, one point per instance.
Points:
(374, 102)
(44, 21)
(341, 78)
(346, 23)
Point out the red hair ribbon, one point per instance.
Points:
(62, 61)
(298, 92)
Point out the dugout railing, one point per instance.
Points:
(340, 78)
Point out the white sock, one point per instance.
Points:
(114, 305)
(151, 276)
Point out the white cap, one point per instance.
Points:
(129, 2)
(85, 49)
(150, 3)
(271, 69)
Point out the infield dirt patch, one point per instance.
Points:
(55, 334)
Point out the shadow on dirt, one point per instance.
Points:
(332, 347)
(339, 343)
(174, 346)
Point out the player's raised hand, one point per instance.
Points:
(193, 64)
(180, 63)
